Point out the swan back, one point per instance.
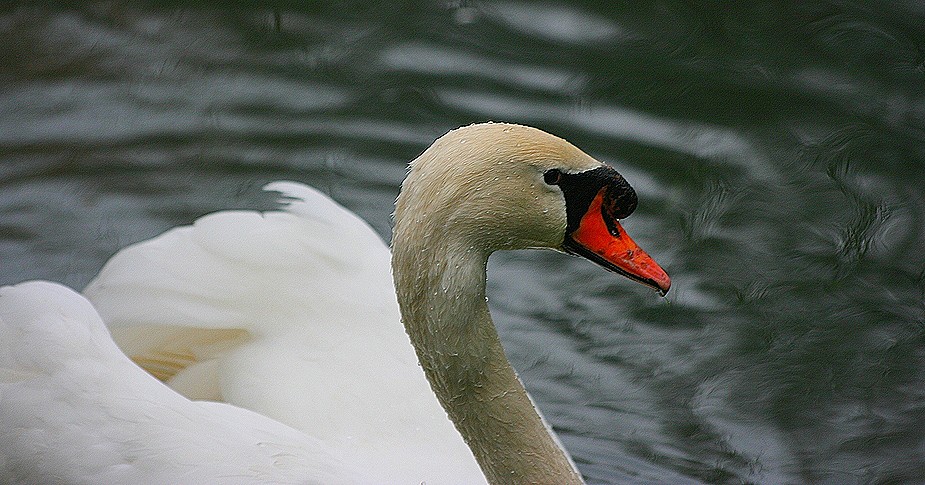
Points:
(74, 409)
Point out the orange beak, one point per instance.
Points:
(604, 242)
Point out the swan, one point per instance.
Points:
(292, 314)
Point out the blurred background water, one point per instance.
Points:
(778, 149)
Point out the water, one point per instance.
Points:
(778, 151)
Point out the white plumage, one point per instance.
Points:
(291, 314)
(75, 410)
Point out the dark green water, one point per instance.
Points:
(778, 151)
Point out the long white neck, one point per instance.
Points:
(441, 291)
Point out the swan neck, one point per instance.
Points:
(441, 292)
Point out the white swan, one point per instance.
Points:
(292, 313)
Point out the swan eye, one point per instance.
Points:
(552, 176)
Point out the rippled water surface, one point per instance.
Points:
(778, 151)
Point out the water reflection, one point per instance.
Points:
(777, 149)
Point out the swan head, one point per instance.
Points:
(492, 186)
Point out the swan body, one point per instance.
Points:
(75, 410)
(293, 314)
